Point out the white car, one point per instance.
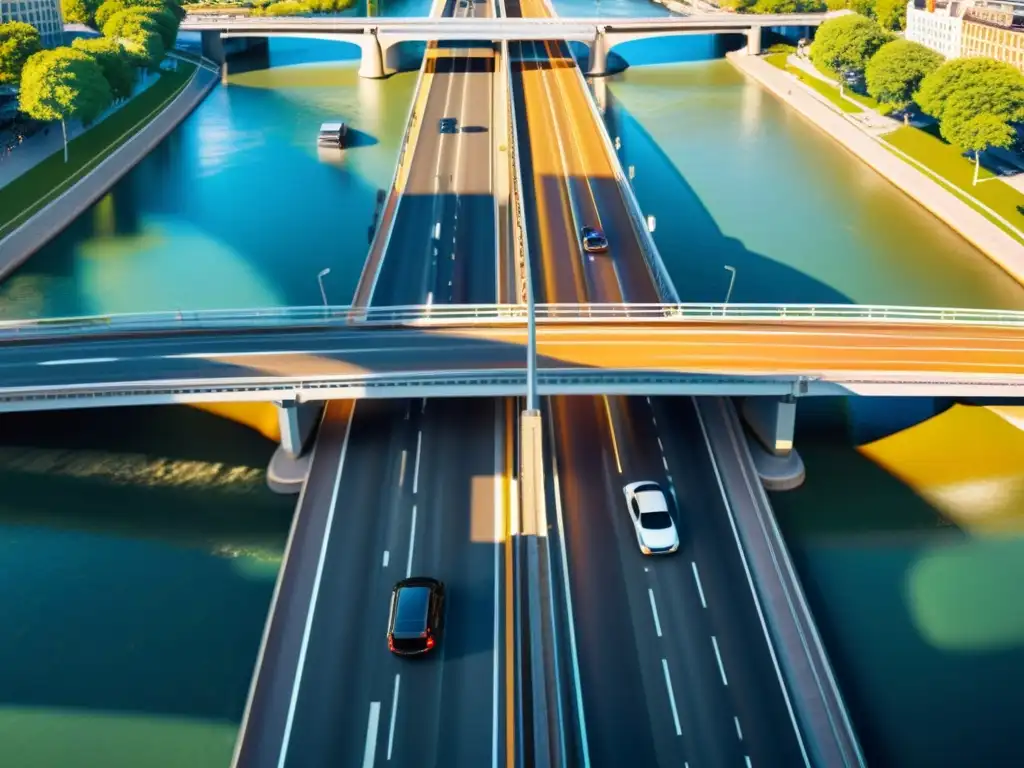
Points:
(655, 530)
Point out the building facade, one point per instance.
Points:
(44, 15)
(969, 28)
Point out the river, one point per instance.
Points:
(142, 545)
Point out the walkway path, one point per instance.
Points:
(1004, 250)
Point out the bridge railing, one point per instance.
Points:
(283, 318)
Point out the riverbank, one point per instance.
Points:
(992, 241)
(30, 230)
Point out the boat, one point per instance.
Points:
(332, 135)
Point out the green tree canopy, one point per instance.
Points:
(165, 21)
(117, 66)
(105, 11)
(995, 86)
(76, 11)
(788, 6)
(894, 73)
(138, 33)
(739, 6)
(18, 41)
(847, 43)
(863, 7)
(976, 133)
(63, 83)
(891, 14)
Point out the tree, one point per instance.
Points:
(105, 11)
(845, 44)
(891, 14)
(977, 133)
(739, 6)
(894, 73)
(18, 41)
(75, 11)
(138, 34)
(117, 66)
(863, 7)
(960, 76)
(164, 21)
(62, 84)
(788, 6)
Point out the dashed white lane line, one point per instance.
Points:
(370, 750)
(664, 463)
(671, 697)
(700, 589)
(747, 758)
(80, 361)
(387, 558)
(412, 546)
(416, 463)
(654, 610)
(401, 469)
(718, 655)
(394, 713)
(660, 446)
(739, 731)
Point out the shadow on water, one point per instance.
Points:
(915, 611)
(697, 261)
(142, 573)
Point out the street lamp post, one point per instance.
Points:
(732, 280)
(320, 279)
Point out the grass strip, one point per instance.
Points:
(43, 183)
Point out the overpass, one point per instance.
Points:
(377, 37)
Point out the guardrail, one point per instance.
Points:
(284, 318)
(518, 218)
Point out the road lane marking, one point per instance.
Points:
(370, 750)
(664, 463)
(401, 470)
(416, 465)
(437, 231)
(747, 759)
(718, 655)
(511, 527)
(700, 589)
(423, 407)
(387, 558)
(611, 428)
(568, 595)
(746, 570)
(671, 697)
(412, 543)
(81, 361)
(394, 713)
(499, 496)
(654, 610)
(660, 446)
(739, 731)
(304, 647)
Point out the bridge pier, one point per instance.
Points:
(598, 64)
(290, 462)
(772, 422)
(754, 41)
(379, 55)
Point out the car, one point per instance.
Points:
(416, 618)
(655, 530)
(594, 240)
(447, 125)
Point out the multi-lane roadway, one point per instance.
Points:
(670, 664)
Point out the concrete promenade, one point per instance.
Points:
(1004, 250)
(20, 244)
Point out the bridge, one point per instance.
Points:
(377, 37)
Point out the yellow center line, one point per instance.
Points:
(611, 429)
(510, 649)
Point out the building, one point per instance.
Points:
(995, 33)
(936, 26)
(962, 28)
(44, 15)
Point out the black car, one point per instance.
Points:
(417, 616)
(447, 125)
(593, 240)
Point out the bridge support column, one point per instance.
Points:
(290, 462)
(212, 46)
(754, 41)
(598, 64)
(773, 422)
(371, 64)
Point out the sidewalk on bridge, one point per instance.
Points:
(974, 227)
